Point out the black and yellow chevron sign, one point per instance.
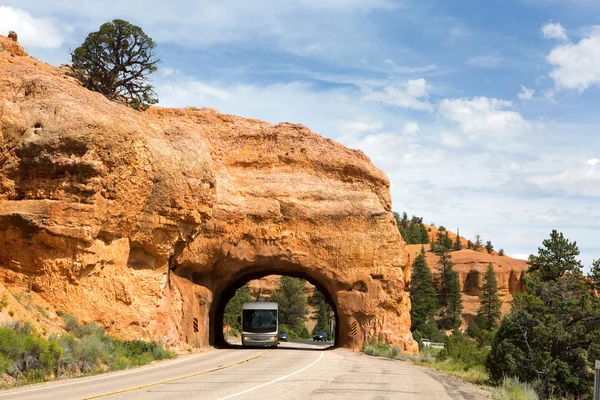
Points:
(354, 328)
(195, 324)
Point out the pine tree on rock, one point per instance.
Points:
(477, 244)
(457, 244)
(489, 247)
(422, 294)
(488, 314)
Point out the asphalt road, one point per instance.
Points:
(293, 371)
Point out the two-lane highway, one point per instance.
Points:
(283, 373)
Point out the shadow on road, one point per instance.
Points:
(305, 345)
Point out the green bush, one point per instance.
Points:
(29, 357)
(23, 350)
(381, 349)
(459, 348)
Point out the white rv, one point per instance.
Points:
(260, 325)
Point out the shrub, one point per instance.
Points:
(464, 351)
(513, 389)
(381, 349)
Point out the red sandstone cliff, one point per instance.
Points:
(143, 221)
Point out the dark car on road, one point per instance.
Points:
(283, 336)
(320, 336)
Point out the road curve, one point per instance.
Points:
(289, 372)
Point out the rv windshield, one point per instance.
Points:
(260, 321)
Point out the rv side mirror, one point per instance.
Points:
(239, 320)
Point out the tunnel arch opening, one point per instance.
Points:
(220, 300)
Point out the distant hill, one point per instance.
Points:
(471, 266)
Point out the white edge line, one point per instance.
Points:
(73, 381)
(273, 381)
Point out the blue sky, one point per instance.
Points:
(483, 114)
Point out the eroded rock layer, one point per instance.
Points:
(143, 221)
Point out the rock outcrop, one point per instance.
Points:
(143, 221)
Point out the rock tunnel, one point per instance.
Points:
(143, 221)
(216, 321)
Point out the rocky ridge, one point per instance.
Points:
(143, 221)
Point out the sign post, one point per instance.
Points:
(196, 330)
(597, 381)
(353, 331)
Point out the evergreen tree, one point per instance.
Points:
(489, 247)
(501, 252)
(445, 264)
(552, 333)
(469, 244)
(452, 313)
(233, 309)
(423, 250)
(422, 294)
(324, 313)
(292, 302)
(595, 275)
(116, 62)
(442, 242)
(556, 257)
(488, 314)
(477, 244)
(457, 243)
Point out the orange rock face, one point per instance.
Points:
(143, 221)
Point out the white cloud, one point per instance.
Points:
(486, 61)
(411, 70)
(511, 167)
(483, 117)
(520, 256)
(411, 128)
(554, 31)
(32, 32)
(333, 29)
(592, 162)
(579, 180)
(451, 140)
(577, 65)
(526, 94)
(411, 94)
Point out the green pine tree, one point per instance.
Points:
(452, 313)
(457, 243)
(552, 332)
(422, 294)
(292, 301)
(233, 309)
(445, 264)
(477, 244)
(595, 275)
(324, 313)
(489, 247)
(488, 314)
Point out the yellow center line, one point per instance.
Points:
(177, 379)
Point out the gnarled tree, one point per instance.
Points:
(116, 61)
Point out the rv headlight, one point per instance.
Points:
(274, 338)
(245, 337)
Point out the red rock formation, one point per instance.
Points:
(143, 221)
